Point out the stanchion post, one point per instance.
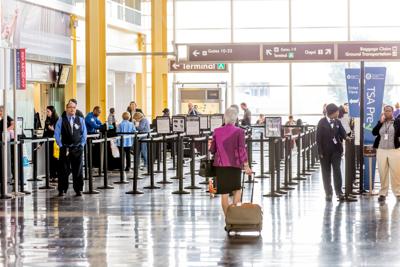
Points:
(250, 158)
(150, 160)
(164, 158)
(271, 145)
(278, 166)
(34, 164)
(192, 166)
(21, 175)
(180, 191)
(262, 163)
(206, 151)
(288, 143)
(47, 166)
(136, 162)
(89, 148)
(122, 179)
(105, 164)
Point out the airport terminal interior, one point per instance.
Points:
(199, 133)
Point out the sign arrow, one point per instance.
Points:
(196, 53)
(268, 52)
(328, 51)
(175, 66)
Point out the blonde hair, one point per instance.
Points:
(138, 116)
(126, 115)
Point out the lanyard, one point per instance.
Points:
(387, 126)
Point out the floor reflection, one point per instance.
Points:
(161, 229)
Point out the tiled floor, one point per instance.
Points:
(162, 229)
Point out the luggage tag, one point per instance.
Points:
(76, 126)
(334, 140)
(386, 137)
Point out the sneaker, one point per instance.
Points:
(381, 199)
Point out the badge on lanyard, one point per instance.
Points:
(334, 140)
(386, 137)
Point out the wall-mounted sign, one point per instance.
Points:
(273, 126)
(216, 121)
(197, 67)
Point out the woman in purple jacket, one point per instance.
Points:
(230, 157)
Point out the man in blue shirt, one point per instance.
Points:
(70, 134)
(92, 120)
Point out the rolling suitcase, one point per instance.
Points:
(244, 217)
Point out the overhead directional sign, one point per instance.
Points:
(292, 52)
(197, 67)
(368, 51)
(299, 52)
(224, 52)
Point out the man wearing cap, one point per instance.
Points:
(70, 134)
(330, 134)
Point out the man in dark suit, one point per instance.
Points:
(330, 135)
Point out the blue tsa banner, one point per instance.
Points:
(373, 99)
(353, 91)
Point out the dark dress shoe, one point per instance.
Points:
(78, 194)
(127, 169)
(381, 199)
(341, 198)
(61, 194)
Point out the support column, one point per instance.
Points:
(96, 71)
(71, 87)
(159, 63)
(141, 78)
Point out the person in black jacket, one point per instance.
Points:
(49, 127)
(387, 133)
(330, 135)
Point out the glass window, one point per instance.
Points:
(318, 73)
(202, 14)
(261, 35)
(203, 36)
(256, 13)
(320, 13)
(273, 74)
(310, 99)
(375, 33)
(319, 34)
(375, 13)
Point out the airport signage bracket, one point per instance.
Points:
(292, 52)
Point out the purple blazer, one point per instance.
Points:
(229, 147)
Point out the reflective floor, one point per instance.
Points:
(162, 229)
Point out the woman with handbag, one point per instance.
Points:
(230, 157)
(49, 125)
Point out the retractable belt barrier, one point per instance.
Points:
(279, 153)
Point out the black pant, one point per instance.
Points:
(127, 152)
(328, 162)
(73, 162)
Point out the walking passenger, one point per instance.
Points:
(387, 133)
(229, 148)
(70, 134)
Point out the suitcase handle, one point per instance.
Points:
(252, 189)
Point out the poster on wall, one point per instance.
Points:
(44, 32)
(273, 126)
(193, 125)
(178, 124)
